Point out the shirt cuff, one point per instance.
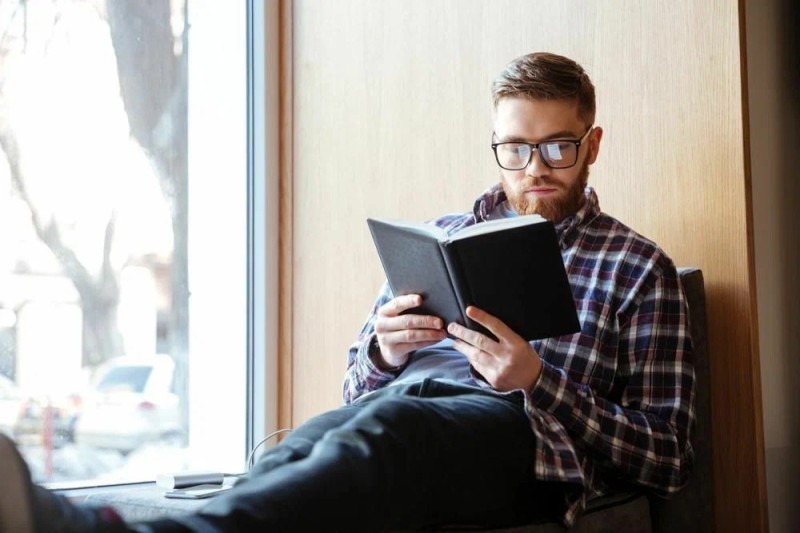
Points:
(550, 389)
(374, 362)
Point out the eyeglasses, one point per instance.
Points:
(515, 155)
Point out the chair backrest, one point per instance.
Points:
(692, 508)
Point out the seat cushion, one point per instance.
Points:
(620, 511)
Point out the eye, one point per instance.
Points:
(558, 150)
(516, 149)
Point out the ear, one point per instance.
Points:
(594, 143)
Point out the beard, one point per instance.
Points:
(554, 209)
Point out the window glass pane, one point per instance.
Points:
(104, 268)
(125, 379)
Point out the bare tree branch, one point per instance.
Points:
(99, 293)
(48, 231)
(154, 81)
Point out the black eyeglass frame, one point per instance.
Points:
(535, 148)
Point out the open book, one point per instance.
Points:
(511, 268)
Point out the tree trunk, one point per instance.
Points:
(153, 82)
(99, 294)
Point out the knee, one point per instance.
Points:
(395, 424)
(391, 412)
(383, 422)
(284, 453)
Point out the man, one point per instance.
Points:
(467, 430)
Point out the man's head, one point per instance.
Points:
(543, 98)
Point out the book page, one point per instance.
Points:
(417, 227)
(497, 225)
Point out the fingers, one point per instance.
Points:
(407, 322)
(390, 319)
(492, 323)
(399, 334)
(395, 306)
(396, 345)
(416, 344)
(478, 358)
(473, 338)
(478, 348)
(507, 364)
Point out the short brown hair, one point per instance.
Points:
(545, 76)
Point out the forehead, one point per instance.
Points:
(533, 120)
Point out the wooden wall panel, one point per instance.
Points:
(391, 117)
(286, 234)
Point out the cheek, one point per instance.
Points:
(565, 180)
(512, 178)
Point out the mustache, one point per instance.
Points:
(527, 183)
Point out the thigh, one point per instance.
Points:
(462, 458)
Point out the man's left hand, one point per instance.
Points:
(509, 363)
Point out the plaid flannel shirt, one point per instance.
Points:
(615, 402)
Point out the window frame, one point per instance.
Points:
(263, 261)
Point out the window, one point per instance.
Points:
(125, 378)
(133, 253)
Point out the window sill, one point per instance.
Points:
(136, 502)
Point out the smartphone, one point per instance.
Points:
(197, 492)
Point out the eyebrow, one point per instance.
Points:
(559, 135)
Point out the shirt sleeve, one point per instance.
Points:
(644, 438)
(362, 375)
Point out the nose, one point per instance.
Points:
(536, 166)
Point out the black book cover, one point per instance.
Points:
(516, 274)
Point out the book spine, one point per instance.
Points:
(457, 280)
(461, 286)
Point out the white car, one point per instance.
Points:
(10, 405)
(131, 402)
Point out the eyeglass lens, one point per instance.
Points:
(556, 154)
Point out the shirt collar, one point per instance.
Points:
(487, 202)
(566, 228)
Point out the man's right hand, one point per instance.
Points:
(398, 335)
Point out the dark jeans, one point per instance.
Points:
(414, 456)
